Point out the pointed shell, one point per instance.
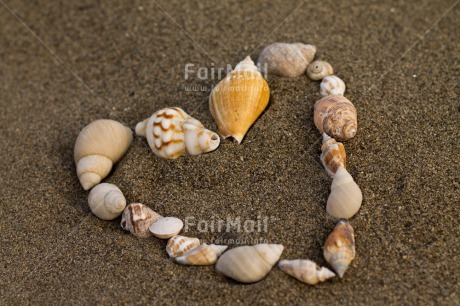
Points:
(339, 249)
(137, 218)
(106, 201)
(204, 255)
(179, 245)
(238, 100)
(332, 85)
(333, 155)
(171, 132)
(288, 60)
(99, 145)
(167, 227)
(345, 198)
(249, 264)
(306, 271)
(336, 116)
(319, 69)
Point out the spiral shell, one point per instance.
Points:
(305, 271)
(249, 264)
(288, 60)
(333, 155)
(319, 69)
(179, 245)
(336, 116)
(339, 248)
(99, 145)
(167, 227)
(137, 218)
(171, 132)
(106, 201)
(204, 255)
(332, 85)
(345, 198)
(238, 100)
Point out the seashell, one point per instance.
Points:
(137, 218)
(332, 85)
(339, 249)
(239, 99)
(288, 60)
(171, 132)
(333, 155)
(166, 228)
(249, 264)
(306, 271)
(319, 69)
(204, 255)
(99, 145)
(179, 245)
(336, 116)
(106, 201)
(345, 198)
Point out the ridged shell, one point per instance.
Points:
(106, 201)
(336, 116)
(332, 85)
(99, 145)
(249, 264)
(333, 155)
(167, 227)
(319, 69)
(179, 245)
(137, 218)
(345, 198)
(171, 132)
(203, 255)
(305, 271)
(339, 249)
(238, 100)
(288, 60)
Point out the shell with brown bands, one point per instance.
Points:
(333, 155)
(339, 249)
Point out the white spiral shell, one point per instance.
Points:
(332, 85)
(106, 201)
(306, 271)
(345, 198)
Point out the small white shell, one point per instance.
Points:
(106, 201)
(167, 227)
(319, 69)
(306, 271)
(203, 255)
(179, 245)
(345, 198)
(332, 85)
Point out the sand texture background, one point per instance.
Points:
(65, 64)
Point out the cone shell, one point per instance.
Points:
(332, 85)
(179, 245)
(336, 116)
(167, 227)
(249, 264)
(333, 155)
(137, 218)
(339, 249)
(106, 201)
(319, 69)
(345, 198)
(306, 271)
(99, 145)
(239, 99)
(204, 255)
(288, 60)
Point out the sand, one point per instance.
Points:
(65, 65)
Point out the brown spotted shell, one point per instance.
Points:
(333, 155)
(339, 249)
(137, 218)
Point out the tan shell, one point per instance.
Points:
(332, 85)
(319, 69)
(106, 201)
(238, 100)
(333, 155)
(306, 271)
(336, 116)
(339, 249)
(288, 60)
(345, 198)
(179, 245)
(204, 255)
(167, 227)
(99, 145)
(137, 218)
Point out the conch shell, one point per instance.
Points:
(306, 271)
(179, 245)
(319, 69)
(288, 60)
(336, 116)
(204, 255)
(137, 218)
(239, 99)
(332, 85)
(99, 145)
(171, 132)
(167, 227)
(339, 249)
(106, 201)
(249, 264)
(345, 198)
(333, 155)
